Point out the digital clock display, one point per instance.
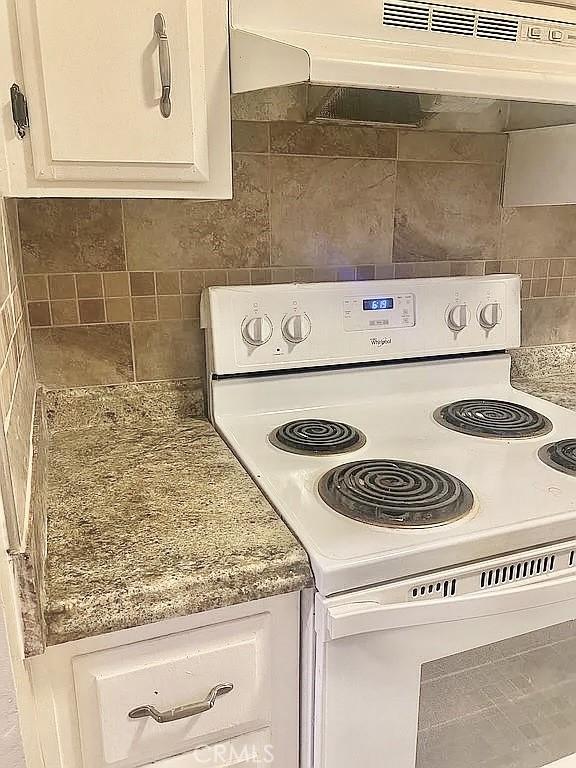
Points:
(384, 303)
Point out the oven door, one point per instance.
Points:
(474, 667)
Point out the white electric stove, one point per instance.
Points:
(436, 502)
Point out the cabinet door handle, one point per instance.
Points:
(164, 62)
(188, 710)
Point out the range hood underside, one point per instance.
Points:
(360, 82)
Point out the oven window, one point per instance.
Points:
(511, 704)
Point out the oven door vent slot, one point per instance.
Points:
(434, 589)
(525, 569)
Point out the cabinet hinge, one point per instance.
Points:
(19, 110)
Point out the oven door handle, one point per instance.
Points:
(371, 616)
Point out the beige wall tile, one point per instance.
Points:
(78, 356)
(331, 140)
(303, 274)
(89, 285)
(64, 312)
(62, 286)
(169, 349)
(282, 103)
(460, 147)
(19, 429)
(282, 275)
(7, 320)
(439, 269)
(331, 211)
(169, 308)
(345, 274)
(238, 277)
(250, 136)
(5, 390)
(167, 283)
(185, 234)
(384, 271)
(192, 281)
(4, 261)
(144, 308)
(458, 269)
(538, 232)
(548, 321)
(556, 268)
(365, 272)
(92, 311)
(446, 211)
(526, 268)
(324, 274)
(36, 287)
(475, 268)
(71, 235)
(190, 306)
(12, 232)
(509, 266)
(540, 269)
(215, 277)
(116, 284)
(39, 313)
(405, 271)
(118, 310)
(142, 284)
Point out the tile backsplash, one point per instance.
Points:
(17, 381)
(113, 286)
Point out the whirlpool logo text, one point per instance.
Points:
(380, 342)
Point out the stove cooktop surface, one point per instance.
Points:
(496, 494)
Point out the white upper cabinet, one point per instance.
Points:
(125, 99)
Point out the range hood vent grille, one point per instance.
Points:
(451, 20)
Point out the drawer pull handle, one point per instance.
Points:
(188, 710)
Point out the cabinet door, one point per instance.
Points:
(92, 77)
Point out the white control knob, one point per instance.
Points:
(257, 330)
(296, 328)
(457, 317)
(490, 315)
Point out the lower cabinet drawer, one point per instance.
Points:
(253, 750)
(157, 678)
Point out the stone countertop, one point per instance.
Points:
(558, 388)
(150, 516)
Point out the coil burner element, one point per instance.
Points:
(393, 493)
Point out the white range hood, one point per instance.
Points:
(486, 49)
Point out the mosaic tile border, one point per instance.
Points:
(87, 298)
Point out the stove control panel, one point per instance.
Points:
(292, 326)
(372, 312)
